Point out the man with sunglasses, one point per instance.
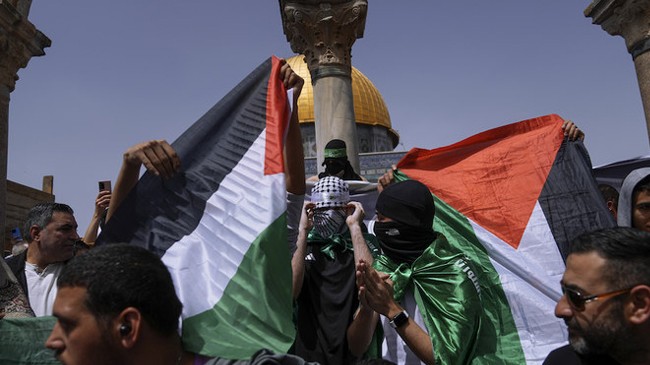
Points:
(606, 299)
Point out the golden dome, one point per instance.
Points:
(369, 106)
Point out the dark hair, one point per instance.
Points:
(41, 214)
(643, 185)
(627, 251)
(610, 194)
(117, 276)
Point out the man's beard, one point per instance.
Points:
(609, 334)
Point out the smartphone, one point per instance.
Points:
(105, 185)
(15, 234)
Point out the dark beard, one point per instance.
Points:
(607, 335)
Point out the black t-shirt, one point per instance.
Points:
(326, 305)
(567, 356)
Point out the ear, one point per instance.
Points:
(127, 327)
(34, 232)
(639, 312)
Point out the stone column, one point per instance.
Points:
(631, 20)
(325, 32)
(19, 41)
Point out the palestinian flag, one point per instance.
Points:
(220, 225)
(23, 341)
(512, 199)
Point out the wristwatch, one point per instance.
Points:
(399, 320)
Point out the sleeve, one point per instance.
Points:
(294, 210)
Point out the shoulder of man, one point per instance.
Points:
(17, 263)
(262, 357)
(565, 355)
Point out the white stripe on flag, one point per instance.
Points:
(530, 277)
(246, 203)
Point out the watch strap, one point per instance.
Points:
(399, 320)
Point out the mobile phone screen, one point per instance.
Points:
(105, 185)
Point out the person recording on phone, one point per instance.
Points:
(99, 215)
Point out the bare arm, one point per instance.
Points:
(157, 156)
(365, 320)
(360, 331)
(378, 292)
(101, 204)
(354, 219)
(298, 259)
(294, 159)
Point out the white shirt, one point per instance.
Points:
(41, 287)
(393, 348)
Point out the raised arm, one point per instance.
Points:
(572, 131)
(298, 259)
(101, 204)
(157, 156)
(354, 220)
(294, 159)
(386, 179)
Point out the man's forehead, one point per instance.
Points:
(584, 269)
(642, 196)
(63, 218)
(69, 300)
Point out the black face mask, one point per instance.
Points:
(334, 167)
(402, 243)
(330, 221)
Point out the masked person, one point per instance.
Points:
(336, 161)
(324, 272)
(426, 291)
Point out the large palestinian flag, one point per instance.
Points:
(512, 198)
(220, 226)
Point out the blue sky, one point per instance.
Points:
(122, 72)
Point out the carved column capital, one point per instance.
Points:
(628, 18)
(324, 32)
(19, 40)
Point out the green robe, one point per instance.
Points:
(448, 295)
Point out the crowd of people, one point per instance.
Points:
(363, 293)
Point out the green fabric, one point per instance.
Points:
(22, 341)
(499, 340)
(341, 242)
(335, 153)
(448, 300)
(255, 310)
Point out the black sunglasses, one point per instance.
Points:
(578, 300)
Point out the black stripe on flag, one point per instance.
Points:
(570, 198)
(157, 213)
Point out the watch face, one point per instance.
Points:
(399, 320)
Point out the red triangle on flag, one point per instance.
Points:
(495, 177)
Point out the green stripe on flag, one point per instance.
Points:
(502, 329)
(255, 310)
(22, 341)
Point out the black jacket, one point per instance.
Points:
(17, 266)
(567, 356)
